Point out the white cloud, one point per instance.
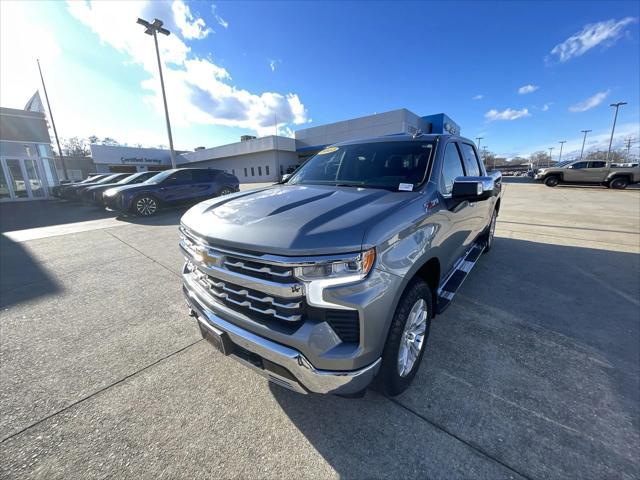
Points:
(508, 114)
(592, 35)
(221, 21)
(477, 97)
(189, 27)
(20, 47)
(528, 89)
(198, 90)
(546, 107)
(273, 64)
(590, 102)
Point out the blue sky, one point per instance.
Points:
(524, 75)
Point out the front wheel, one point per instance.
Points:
(619, 183)
(551, 181)
(407, 339)
(145, 206)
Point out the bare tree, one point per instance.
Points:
(75, 147)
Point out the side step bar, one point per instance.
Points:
(452, 283)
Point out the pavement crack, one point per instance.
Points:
(145, 255)
(473, 446)
(98, 392)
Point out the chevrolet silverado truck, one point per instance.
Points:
(329, 280)
(589, 172)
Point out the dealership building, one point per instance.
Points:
(28, 167)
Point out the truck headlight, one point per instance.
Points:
(330, 274)
(356, 267)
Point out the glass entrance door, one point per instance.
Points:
(21, 179)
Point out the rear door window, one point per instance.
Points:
(182, 176)
(471, 162)
(201, 176)
(451, 168)
(597, 164)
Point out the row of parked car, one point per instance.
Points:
(145, 193)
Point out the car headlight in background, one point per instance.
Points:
(330, 274)
(109, 192)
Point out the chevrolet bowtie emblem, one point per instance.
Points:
(202, 255)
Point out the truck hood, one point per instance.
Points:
(294, 219)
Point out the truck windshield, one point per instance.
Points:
(389, 165)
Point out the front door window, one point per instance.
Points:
(4, 185)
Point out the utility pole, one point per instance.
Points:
(53, 124)
(550, 156)
(153, 29)
(613, 129)
(484, 156)
(478, 141)
(583, 141)
(629, 140)
(561, 142)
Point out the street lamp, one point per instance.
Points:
(561, 142)
(613, 129)
(153, 29)
(550, 156)
(583, 141)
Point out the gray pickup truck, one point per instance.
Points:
(589, 172)
(329, 281)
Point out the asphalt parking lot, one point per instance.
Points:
(533, 372)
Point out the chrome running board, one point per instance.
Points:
(454, 281)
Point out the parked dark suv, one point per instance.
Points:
(171, 187)
(94, 194)
(58, 190)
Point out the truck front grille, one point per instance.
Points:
(263, 289)
(249, 300)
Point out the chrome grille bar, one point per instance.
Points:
(265, 269)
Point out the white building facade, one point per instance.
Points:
(27, 167)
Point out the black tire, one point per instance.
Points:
(225, 191)
(619, 183)
(490, 232)
(145, 205)
(552, 181)
(390, 380)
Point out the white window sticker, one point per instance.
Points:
(405, 187)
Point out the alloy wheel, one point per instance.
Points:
(146, 206)
(412, 340)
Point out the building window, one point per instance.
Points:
(253, 174)
(233, 171)
(267, 169)
(260, 171)
(245, 171)
(281, 170)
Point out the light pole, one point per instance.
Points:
(478, 139)
(561, 142)
(550, 156)
(153, 29)
(583, 141)
(613, 129)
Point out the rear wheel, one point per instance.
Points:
(145, 206)
(619, 183)
(551, 181)
(491, 230)
(407, 339)
(225, 191)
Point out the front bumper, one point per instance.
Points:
(282, 365)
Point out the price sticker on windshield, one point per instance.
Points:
(405, 187)
(327, 150)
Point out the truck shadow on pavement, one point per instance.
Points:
(532, 371)
(21, 277)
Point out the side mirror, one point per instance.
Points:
(476, 189)
(285, 177)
